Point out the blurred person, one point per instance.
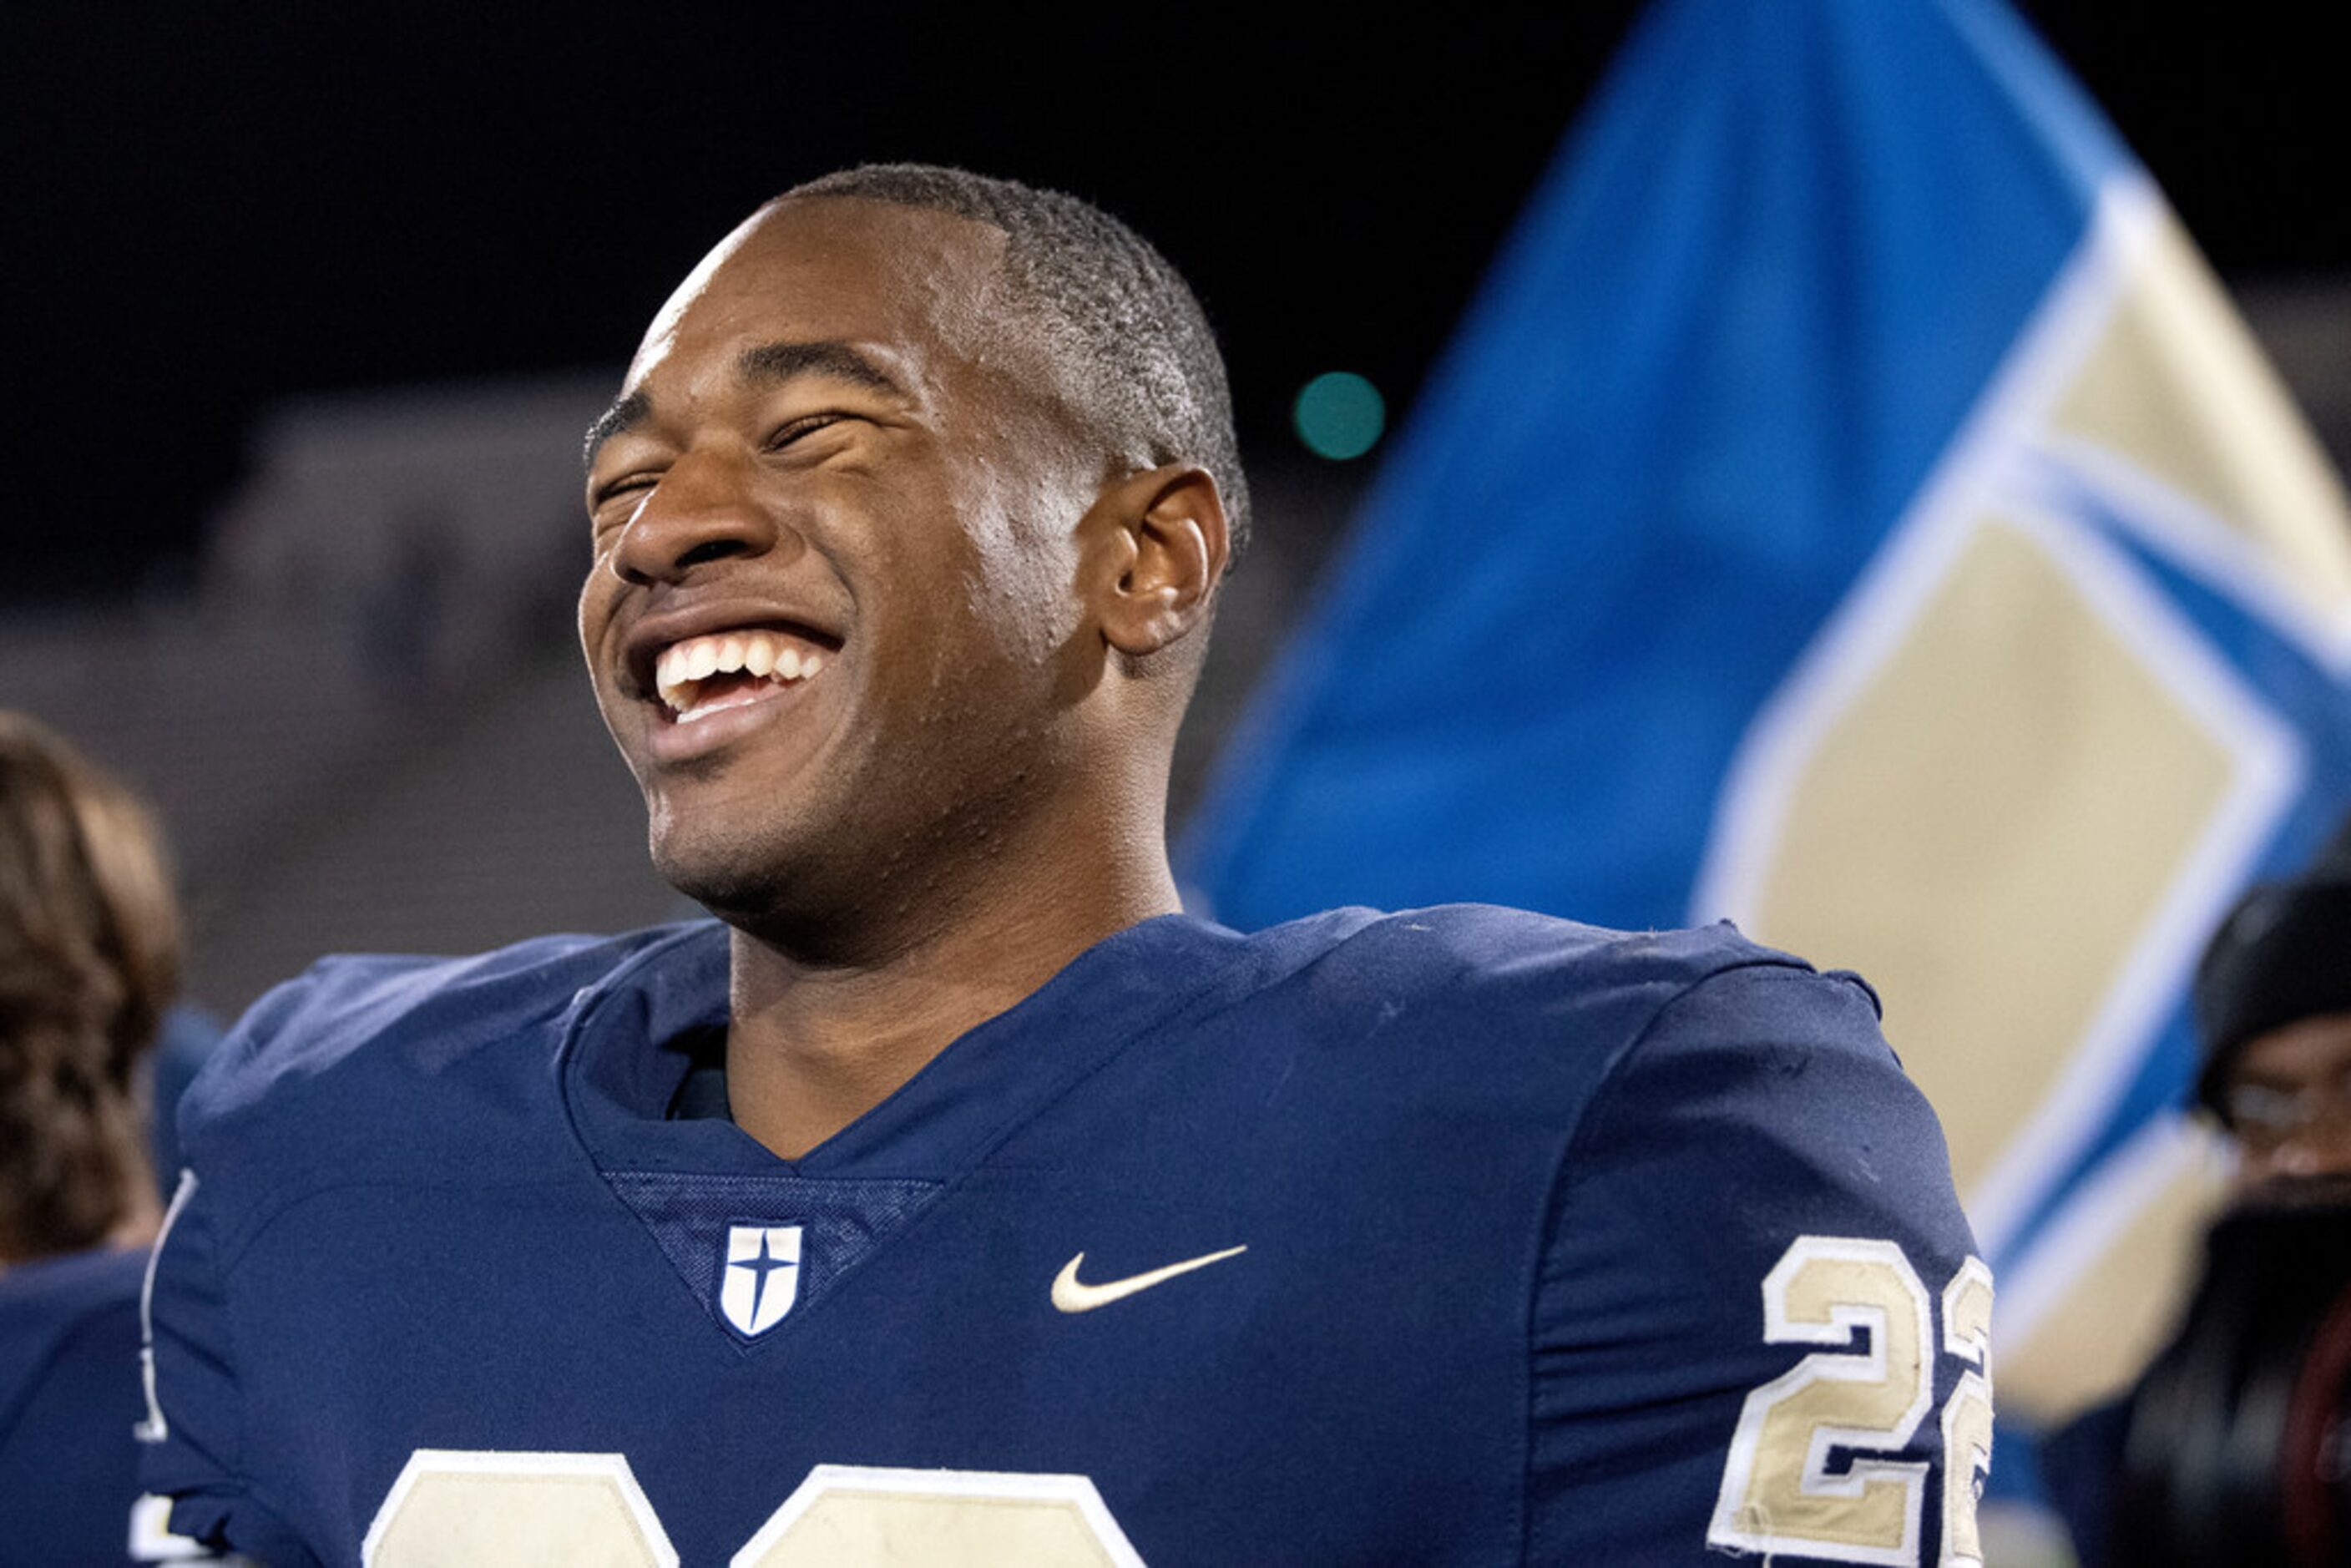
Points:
(2274, 1011)
(2233, 1452)
(953, 1195)
(2229, 1448)
(89, 959)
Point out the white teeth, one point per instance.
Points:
(682, 666)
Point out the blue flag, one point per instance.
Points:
(1851, 507)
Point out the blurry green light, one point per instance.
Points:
(1339, 415)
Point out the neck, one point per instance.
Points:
(813, 1044)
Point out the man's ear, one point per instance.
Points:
(1159, 547)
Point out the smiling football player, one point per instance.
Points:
(953, 1196)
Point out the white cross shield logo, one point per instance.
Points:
(763, 1276)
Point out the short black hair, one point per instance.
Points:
(1128, 335)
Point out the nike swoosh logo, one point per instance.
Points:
(1071, 1295)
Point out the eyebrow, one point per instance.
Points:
(772, 362)
(625, 415)
(767, 365)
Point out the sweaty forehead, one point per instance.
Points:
(917, 283)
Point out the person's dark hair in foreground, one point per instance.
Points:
(954, 1193)
(90, 952)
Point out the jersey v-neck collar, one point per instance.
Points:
(623, 1061)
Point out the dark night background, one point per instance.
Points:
(216, 206)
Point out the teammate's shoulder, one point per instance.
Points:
(82, 1298)
(356, 1028)
(69, 1288)
(69, 1393)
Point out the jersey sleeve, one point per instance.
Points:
(1755, 1275)
(195, 1429)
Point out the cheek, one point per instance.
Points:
(1025, 588)
(1019, 563)
(594, 617)
(595, 621)
(970, 601)
(596, 590)
(1025, 615)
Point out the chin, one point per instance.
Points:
(731, 879)
(738, 897)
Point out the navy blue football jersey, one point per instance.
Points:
(1462, 1236)
(69, 1400)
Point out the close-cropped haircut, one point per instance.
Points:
(1128, 337)
(89, 959)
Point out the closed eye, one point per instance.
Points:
(793, 430)
(627, 484)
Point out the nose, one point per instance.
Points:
(701, 510)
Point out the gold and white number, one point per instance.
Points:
(509, 1510)
(1779, 1494)
(851, 1517)
(498, 1508)
(1966, 1414)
